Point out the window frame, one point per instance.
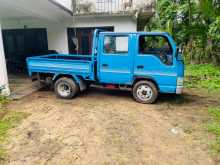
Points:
(147, 35)
(153, 35)
(115, 36)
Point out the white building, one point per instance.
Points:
(31, 27)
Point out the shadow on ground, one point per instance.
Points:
(188, 98)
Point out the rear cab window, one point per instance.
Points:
(156, 45)
(114, 44)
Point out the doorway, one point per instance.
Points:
(20, 44)
(80, 39)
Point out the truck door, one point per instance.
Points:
(155, 59)
(115, 58)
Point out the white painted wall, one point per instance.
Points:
(3, 71)
(120, 23)
(57, 32)
(57, 38)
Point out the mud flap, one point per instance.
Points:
(82, 84)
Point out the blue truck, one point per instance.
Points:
(147, 63)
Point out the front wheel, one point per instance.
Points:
(145, 92)
(66, 88)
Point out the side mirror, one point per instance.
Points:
(179, 53)
(179, 50)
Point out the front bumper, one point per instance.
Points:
(179, 89)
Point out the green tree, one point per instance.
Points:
(193, 23)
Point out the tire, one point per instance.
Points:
(145, 92)
(66, 88)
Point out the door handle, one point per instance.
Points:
(140, 67)
(105, 65)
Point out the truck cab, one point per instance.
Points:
(148, 63)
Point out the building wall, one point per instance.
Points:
(121, 24)
(57, 31)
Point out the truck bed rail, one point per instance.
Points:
(62, 64)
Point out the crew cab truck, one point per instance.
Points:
(148, 63)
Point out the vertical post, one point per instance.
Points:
(190, 12)
(4, 87)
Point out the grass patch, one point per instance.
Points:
(8, 120)
(3, 101)
(205, 76)
(214, 127)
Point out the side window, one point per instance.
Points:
(158, 46)
(116, 44)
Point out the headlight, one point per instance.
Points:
(180, 81)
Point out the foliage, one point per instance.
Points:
(195, 25)
(205, 76)
(3, 100)
(214, 30)
(8, 120)
(214, 127)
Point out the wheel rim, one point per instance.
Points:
(144, 92)
(64, 89)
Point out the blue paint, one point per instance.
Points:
(117, 68)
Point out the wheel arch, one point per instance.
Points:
(141, 78)
(58, 76)
(78, 79)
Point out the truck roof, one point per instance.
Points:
(146, 33)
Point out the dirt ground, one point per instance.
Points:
(103, 127)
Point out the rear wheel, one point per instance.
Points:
(145, 92)
(66, 88)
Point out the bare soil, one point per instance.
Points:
(103, 127)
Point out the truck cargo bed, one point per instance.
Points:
(61, 64)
